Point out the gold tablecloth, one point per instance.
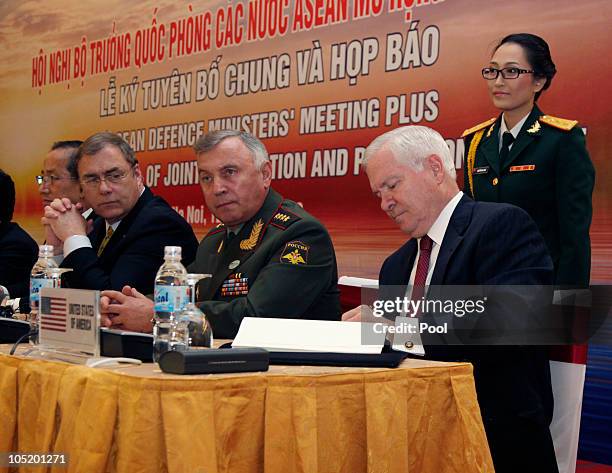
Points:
(421, 417)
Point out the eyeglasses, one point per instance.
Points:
(111, 177)
(40, 180)
(490, 73)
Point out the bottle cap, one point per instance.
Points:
(172, 252)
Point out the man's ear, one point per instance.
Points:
(434, 164)
(266, 171)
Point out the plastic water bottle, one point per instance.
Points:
(170, 298)
(40, 276)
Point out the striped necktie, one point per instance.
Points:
(107, 237)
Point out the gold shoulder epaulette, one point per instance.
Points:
(283, 218)
(560, 123)
(480, 126)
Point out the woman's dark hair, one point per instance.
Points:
(7, 197)
(538, 55)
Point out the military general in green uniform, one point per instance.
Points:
(268, 258)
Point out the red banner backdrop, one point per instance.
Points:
(315, 80)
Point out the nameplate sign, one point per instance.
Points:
(69, 319)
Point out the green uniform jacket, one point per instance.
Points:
(548, 174)
(280, 264)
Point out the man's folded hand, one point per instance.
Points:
(126, 310)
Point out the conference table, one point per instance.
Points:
(420, 417)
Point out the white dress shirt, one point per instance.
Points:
(514, 131)
(436, 233)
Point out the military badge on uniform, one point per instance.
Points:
(295, 252)
(235, 285)
(524, 167)
(481, 170)
(250, 242)
(283, 219)
(534, 128)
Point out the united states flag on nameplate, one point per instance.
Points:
(53, 313)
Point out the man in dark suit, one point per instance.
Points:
(18, 250)
(269, 257)
(126, 245)
(456, 241)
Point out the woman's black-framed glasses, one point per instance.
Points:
(490, 73)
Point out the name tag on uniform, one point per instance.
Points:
(525, 167)
(480, 170)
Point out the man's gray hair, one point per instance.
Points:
(208, 141)
(411, 145)
(96, 143)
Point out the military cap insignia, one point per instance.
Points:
(250, 242)
(560, 123)
(478, 127)
(235, 285)
(295, 252)
(283, 219)
(534, 128)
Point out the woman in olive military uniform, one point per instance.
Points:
(532, 160)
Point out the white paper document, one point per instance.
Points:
(357, 282)
(307, 335)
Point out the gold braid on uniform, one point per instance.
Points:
(471, 159)
(250, 242)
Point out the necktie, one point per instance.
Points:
(507, 140)
(107, 237)
(420, 277)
